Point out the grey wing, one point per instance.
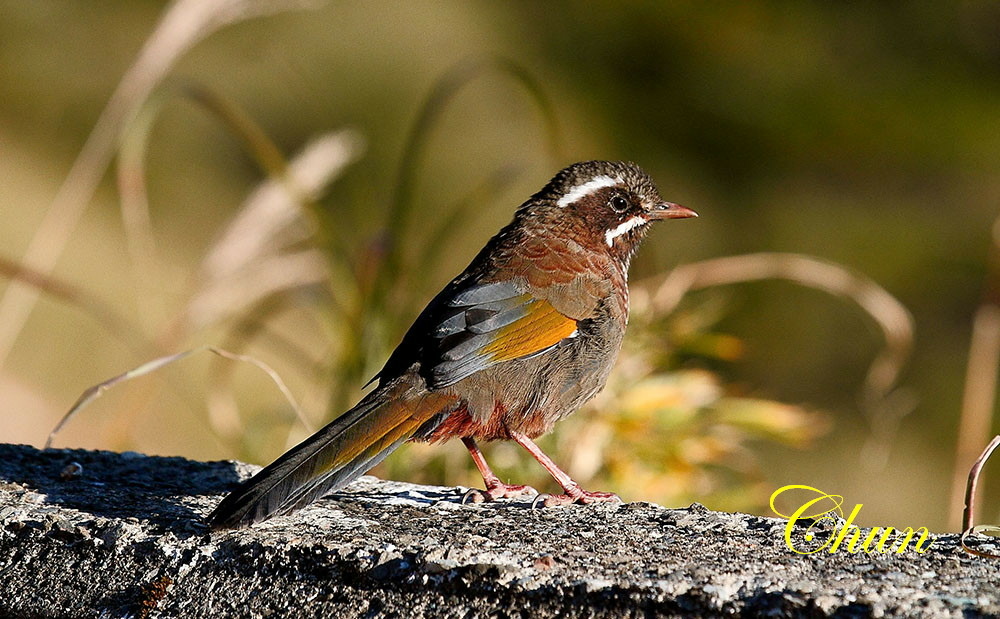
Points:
(488, 324)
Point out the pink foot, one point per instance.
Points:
(577, 495)
(497, 490)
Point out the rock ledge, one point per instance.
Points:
(123, 536)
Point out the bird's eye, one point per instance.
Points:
(618, 203)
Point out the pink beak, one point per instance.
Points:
(669, 210)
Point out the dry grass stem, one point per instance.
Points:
(136, 221)
(223, 412)
(251, 260)
(445, 90)
(892, 318)
(94, 392)
(969, 514)
(272, 216)
(225, 298)
(252, 266)
(979, 396)
(884, 407)
(113, 322)
(183, 25)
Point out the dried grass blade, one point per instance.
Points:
(102, 313)
(970, 503)
(980, 393)
(430, 113)
(134, 207)
(883, 406)
(495, 184)
(223, 412)
(183, 25)
(95, 391)
(277, 203)
(268, 156)
(221, 298)
(891, 316)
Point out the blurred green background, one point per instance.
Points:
(866, 134)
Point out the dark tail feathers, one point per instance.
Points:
(332, 457)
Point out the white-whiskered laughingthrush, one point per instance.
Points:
(524, 336)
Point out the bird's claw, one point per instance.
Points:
(474, 496)
(509, 491)
(597, 497)
(580, 496)
(497, 491)
(541, 501)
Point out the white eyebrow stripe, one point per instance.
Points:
(625, 226)
(585, 189)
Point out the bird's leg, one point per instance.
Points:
(574, 493)
(495, 489)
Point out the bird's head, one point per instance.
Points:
(612, 202)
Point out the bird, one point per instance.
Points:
(520, 339)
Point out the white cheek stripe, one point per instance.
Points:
(625, 226)
(586, 189)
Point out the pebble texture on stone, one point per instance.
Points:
(90, 534)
